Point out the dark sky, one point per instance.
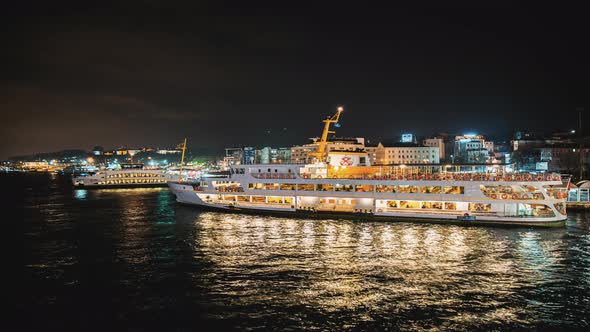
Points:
(149, 73)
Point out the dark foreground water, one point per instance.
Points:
(133, 259)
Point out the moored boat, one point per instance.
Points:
(129, 176)
(343, 183)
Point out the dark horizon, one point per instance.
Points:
(138, 73)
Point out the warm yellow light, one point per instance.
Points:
(340, 108)
(90, 160)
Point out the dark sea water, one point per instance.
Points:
(134, 259)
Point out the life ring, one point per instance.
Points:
(548, 178)
(529, 177)
(351, 177)
(306, 176)
(334, 177)
(494, 196)
(457, 177)
(515, 196)
(518, 178)
(427, 176)
(487, 178)
(537, 196)
(557, 177)
(504, 196)
(525, 196)
(467, 177)
(319, 177)
(539, 178)
(507, 178)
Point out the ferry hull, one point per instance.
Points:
(186, 196)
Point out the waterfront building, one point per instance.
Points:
(406, 153)
(472, 149)
(234, 156)
(436, 142)
(98, 151)
(249, 155)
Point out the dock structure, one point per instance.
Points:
(578, 199)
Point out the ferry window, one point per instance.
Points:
(269, 170)
(274, 199)
(243, 198)
(385, 189)
(305, 187)
(432, 205)
(450, 206)
(325, 187)
(540, 210)
(259, 170)
(561, 208)
(275, 170)
(392, 204)
(480, 207)
(409, 204)
(258, 199)
(230, 198)
(364, 188)
(405, 189)
(453, 190)
(287, 186)
(289, 170)
(288, 200)
(344, 187)
(255, 186)
(271, 186)
(431, 190)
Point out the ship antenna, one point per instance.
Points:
(323, 140)
(182, 161)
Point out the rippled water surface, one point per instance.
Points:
(132, 258)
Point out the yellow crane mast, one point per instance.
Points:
(182, 161)
(324, 139)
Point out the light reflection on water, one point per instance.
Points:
(460, 277)
(135, 257)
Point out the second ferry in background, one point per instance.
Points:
(129, 176)
(343, 183)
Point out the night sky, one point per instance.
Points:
(141, 73)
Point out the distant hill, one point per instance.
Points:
(52, 155)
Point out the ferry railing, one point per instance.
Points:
(514, 177)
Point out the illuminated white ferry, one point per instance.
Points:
(129, 176)
(344, 184)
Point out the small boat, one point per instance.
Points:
(466, 217)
